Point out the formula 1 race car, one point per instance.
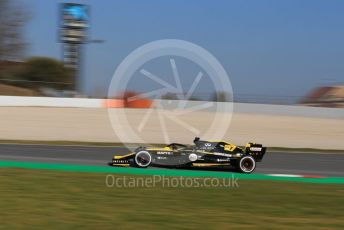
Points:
(201, 154)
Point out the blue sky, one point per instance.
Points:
(268, 47)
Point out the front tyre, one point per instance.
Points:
(143, 159)
(246, 164)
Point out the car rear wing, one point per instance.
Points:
(257, 151)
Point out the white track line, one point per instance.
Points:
(284, 175)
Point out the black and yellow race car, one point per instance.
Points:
(201, 154)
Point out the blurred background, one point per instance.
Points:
(61, 123)
(289, 52)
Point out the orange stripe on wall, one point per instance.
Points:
(113, 103)
(140, 103)
(119, 103)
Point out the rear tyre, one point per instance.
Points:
(142, 159)
(246, 164)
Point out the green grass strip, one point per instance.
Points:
(164, 172)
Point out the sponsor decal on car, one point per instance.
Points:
(161, 158)
(223, 160)
(222, 154)
(164, 153)
(193, 157)
(256, 149)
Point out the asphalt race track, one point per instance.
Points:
(323, 164)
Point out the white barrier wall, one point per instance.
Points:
(267, 109)
(277, 126)
(280, 110)
(50, 102)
